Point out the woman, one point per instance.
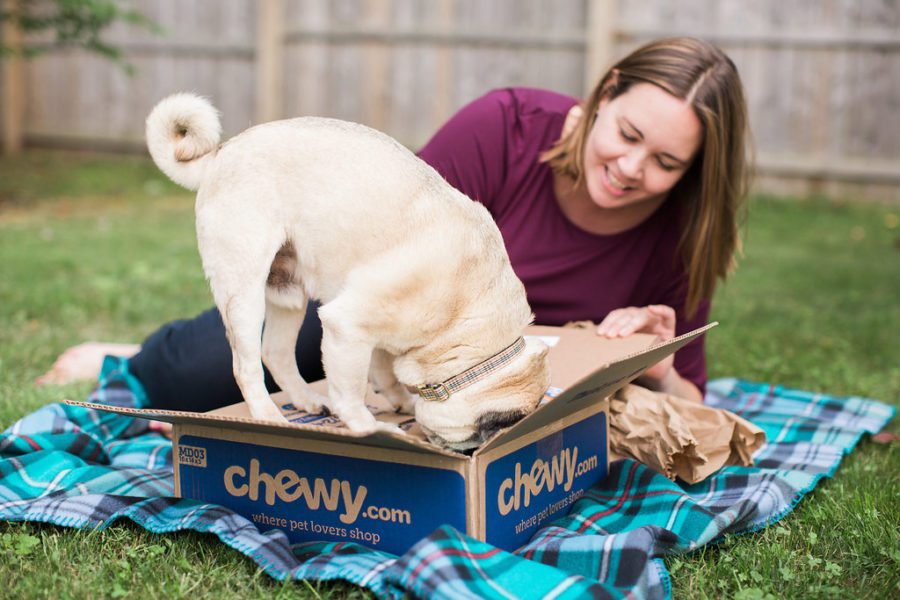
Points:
(621, 210)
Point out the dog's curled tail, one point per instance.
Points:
(182, 131)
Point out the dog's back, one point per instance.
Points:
(359, 208)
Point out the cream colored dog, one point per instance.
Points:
(414, 280)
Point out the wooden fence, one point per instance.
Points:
(822, 77)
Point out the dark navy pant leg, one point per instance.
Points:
(186, 364)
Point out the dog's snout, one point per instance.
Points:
(490, 423)
(470, 443)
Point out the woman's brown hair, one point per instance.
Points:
(711, 193)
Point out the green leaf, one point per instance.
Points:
(75, 23)
(26, 543)
(752, 594)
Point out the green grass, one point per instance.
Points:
(103, 248)
(814, 304)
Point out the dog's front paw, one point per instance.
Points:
(313, 403)
(389, 427)
(266, 411)
(360, 421)
(401, 400)
(372, 425)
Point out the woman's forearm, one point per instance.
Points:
(674, 384)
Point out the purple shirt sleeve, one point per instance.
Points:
(469, 150)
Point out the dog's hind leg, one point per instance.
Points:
(234, 237)
(243, 314)
(278, 343)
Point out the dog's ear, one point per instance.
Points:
(490, 423)
(525, 380)
(516, 392)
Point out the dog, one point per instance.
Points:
(416, 288)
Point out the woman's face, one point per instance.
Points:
(641, 143)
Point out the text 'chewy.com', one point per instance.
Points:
(288, 486)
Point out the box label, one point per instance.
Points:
(191, 455)
(309, 496)
(539, 482)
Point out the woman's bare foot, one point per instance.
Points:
(161, 428)
(83, 362)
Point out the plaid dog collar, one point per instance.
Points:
(439, 392)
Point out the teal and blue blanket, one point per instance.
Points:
(82, 468)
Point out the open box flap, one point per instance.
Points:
(379, 439)
(600, 383)
(575, 352)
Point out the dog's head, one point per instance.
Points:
(473, 414)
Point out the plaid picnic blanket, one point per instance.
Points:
(82, 468)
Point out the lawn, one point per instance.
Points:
(102, 248)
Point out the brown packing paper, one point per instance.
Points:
(678, 437)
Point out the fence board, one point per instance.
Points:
(822, 76)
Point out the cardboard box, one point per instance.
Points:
(316, 480)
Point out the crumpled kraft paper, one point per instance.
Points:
(678, 437)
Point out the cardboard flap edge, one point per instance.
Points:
(379, 439)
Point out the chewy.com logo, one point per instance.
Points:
(288, 486)
(561, 470)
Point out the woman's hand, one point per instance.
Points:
(572, 118)
(657, 319)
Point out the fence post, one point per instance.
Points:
(12, 67)
(377, 58)
(442, 103)
(600, 35)
(270, 60)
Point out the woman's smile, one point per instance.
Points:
(613, 184)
